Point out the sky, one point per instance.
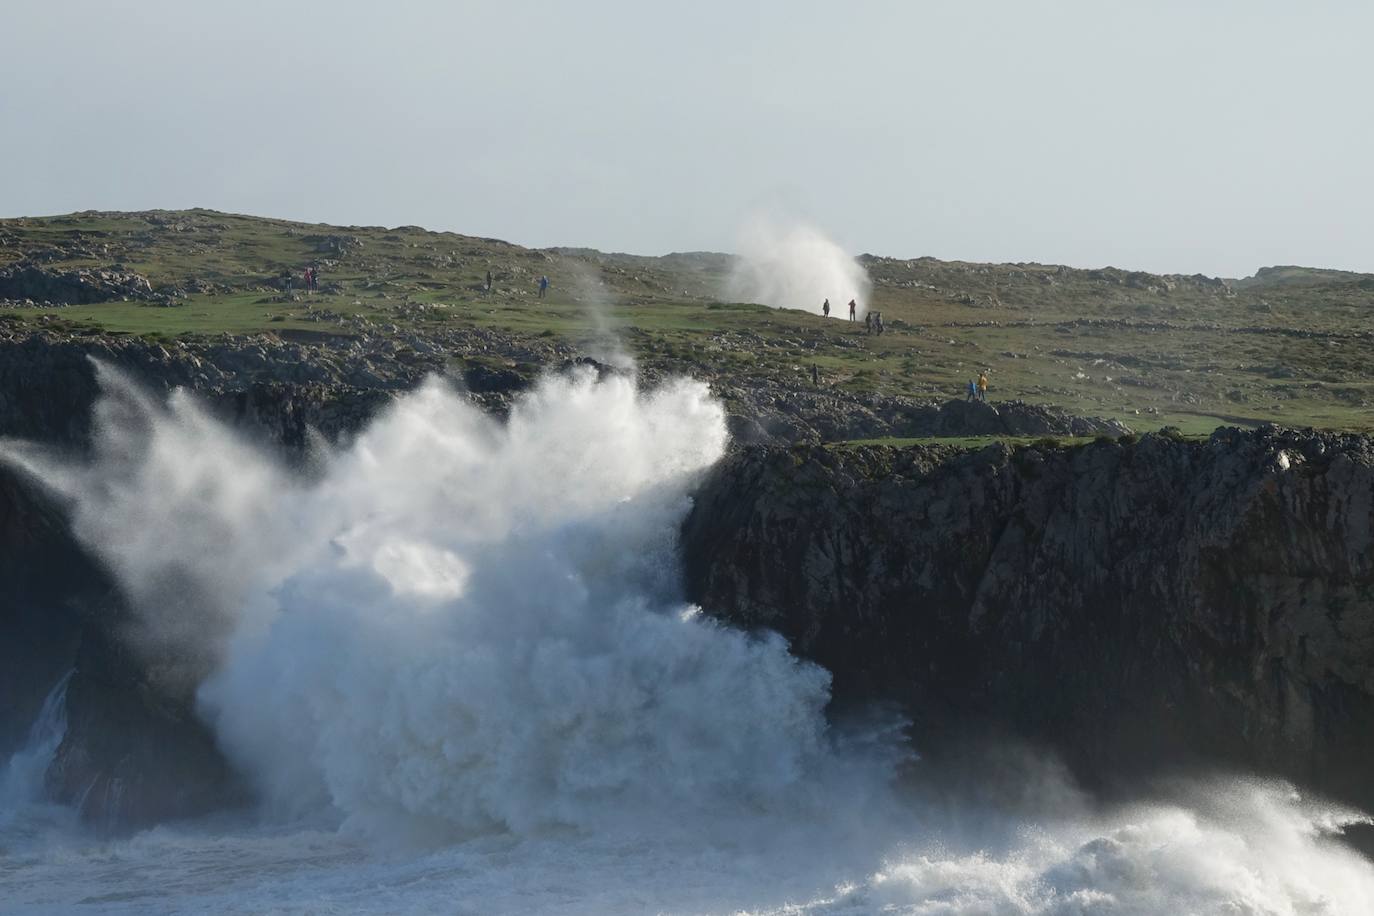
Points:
(1213, 137)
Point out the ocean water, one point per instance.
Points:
(454, 660)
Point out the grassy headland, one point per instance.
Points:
(1289, 345)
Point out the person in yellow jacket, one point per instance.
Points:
(983, 386)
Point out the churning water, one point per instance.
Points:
(454, 660)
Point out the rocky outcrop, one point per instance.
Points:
(72, 287)
(334, 382)
(275, 388)
(765, 412)
(1134, 604)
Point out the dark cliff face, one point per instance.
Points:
(1131, 604)
(134, 751)
(42, 587)
(48, 385)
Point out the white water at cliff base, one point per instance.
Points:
(454, 661)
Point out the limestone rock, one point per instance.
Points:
(1132, 604)
(72, 287)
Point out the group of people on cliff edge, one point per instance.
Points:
(853, 309)
(978, 391)
(310, 277)
(490, 284)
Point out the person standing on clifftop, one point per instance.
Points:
(543, 286)
(825, 308)
(853, 310)
(972, 390)
(983, 386)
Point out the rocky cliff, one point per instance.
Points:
(282, 384)
(34, 283)
(135, 754)
(1134, 603)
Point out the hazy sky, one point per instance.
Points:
(1210, 136)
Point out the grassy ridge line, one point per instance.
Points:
(1285, 346)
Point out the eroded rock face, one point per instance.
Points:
(134, 753)
(274, 389)
(334, 383)
(1131, 604)
(41, 590)
(764, 413)
(72, 287)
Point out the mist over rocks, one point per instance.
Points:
(1133, 605)
(134, 752)
(438, 560)
(1084, 555)
(794, 265)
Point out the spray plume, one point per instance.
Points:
(598, 303)
(461, 625)
(797, 267)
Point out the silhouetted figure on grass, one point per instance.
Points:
(543, 286)
(853, 310)
(825, 308)
(488, 281)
